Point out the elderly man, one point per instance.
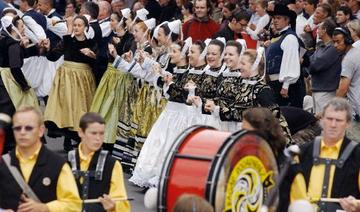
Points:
(201, 26)
(32, 165)
(330, 164)
(283, 60)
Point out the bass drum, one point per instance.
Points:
(234, 172)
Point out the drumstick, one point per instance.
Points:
(114, 199)
(336, 200)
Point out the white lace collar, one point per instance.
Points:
(180, 70)
(228, 73)
(208, 71)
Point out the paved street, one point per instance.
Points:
(137, 205)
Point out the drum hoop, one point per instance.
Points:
(216, 165)
(170, 156)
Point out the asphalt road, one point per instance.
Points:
(137, 205)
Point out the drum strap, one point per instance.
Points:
(97, 173)
(328, 162)
(26, 189)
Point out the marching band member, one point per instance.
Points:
(46, 178)
(74, 86)
(97, 173)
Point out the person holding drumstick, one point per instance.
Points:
(97, 174)
(33, 178)
(330, 164)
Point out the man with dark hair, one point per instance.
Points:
(343, 15)
(97, 174)
(349, 85)
(283, 60)
(32, 177)
(201, 26)
(325, 73)
(238, 23)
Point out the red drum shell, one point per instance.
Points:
(201, 161)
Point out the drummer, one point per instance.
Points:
(104, 183)
(330, 164)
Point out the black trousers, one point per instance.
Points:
(296, 93)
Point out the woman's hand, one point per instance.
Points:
(190, 85)
(168, 78)
(116, 40)
(128, 56)
(209, 106)
(88, 52)
(112, 50)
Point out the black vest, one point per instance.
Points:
(47, 169)
(345, 180)
(38, 18)
(96, 187)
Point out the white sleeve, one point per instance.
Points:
(148, 64)
(263, 21)
(105, 28)
(60, 29)
(90, 34)
(290, 63)
(35, 28)
(133, 68)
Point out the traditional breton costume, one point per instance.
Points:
(167, 127)
(14, 89)
(254, 92)
(111, 99)
(124, 147)
(98, 174)
(55, 30)
(74, 84)
(35, 66)
(227, 91)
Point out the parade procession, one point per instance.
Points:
(179, 105)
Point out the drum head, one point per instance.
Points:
(242, 174)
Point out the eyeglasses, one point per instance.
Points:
(19, 128)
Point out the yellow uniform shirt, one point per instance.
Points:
(117, 187)
(298, 187)
(66, 190)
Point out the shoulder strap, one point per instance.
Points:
(100, 165)
(346, 154)
(19, 179)
(72, 159)
(316, 150)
